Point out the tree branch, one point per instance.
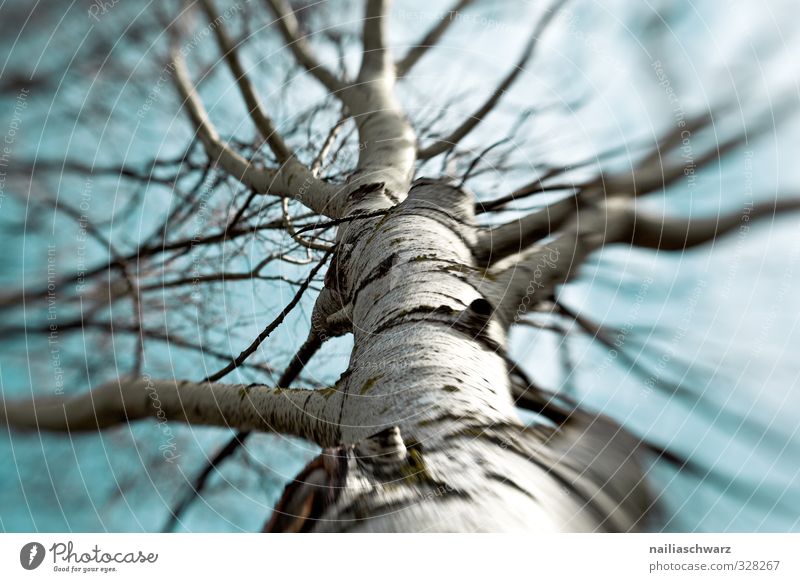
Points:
(310, 414)
(292, 179)
(375, 60)
(249, 350)
(229, 233)
(678, 234)
(387, 143)
(473, 120)
(290, 30)
(304, 242)
(430, 39)
(495, 244)
(254, 107)
(217, 150)
(533, 277)
(674, 157)
(292, 371)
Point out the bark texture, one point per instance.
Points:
(429, 364)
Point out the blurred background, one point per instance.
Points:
(704, 357)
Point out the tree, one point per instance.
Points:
(421, 432)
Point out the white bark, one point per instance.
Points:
(387, 142)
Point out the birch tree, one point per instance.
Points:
(422, 432)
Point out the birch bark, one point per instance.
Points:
(429, 359)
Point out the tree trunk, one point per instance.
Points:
(429, 359)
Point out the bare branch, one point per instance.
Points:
(343, 220)
(534, 275)
(249, 350)
(497, 243)
(635, 363)
(254, 107)
(290, 29)
(216, 149)
(678, 234)
(430, 39)
(132, 287)
(386, 155)
(168, 336)
(543, 182)
(325, 149)
(292, 371)
(299, 239)
(146, 250)
(292, 179)
(387, 143)
(309, 414)
(674, 158)
(473, 120)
